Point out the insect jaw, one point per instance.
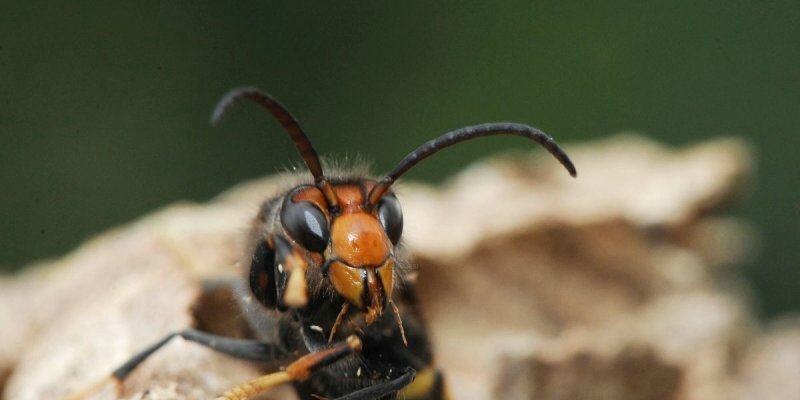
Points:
(366, 288)
(361, 262)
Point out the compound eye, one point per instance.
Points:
(391, 217)
(306, 224)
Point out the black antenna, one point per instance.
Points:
(290, 125)
(467, 133)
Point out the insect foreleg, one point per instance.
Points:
(246, 349)
(253, 350)
(299, 370)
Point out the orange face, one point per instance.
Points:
(358, 252)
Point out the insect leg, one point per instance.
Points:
(297, 371)
(246, 349)
(382, 389)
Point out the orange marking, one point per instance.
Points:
(359, 240)
(253, 387)
(302, 368)
(312, 194)
(348, 282)
(297, 371)
(351, 200)
(328, 192)
(386, 274)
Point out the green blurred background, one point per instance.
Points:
(105, 107)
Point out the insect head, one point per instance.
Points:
(349, 230)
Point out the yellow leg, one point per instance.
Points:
(297, 371)
(256, 386)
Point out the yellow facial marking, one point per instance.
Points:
(386, 274)
(296, 294)
(348, 281)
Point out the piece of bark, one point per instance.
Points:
(770, 368)
(510, 248)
